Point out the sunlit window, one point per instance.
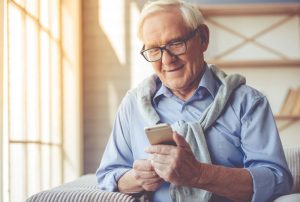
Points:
(33, 98)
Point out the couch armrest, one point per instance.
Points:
(292, 155)
(84, 188)
(289, 198)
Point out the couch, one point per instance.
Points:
(85, 188)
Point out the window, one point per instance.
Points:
(1, 96)
(38, 71)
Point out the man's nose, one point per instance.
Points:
(167, 57)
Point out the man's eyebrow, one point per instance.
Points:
(145, 47)
(179, 38)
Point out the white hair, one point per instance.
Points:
(190, 13)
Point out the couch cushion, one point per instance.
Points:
(292, 155)
(83, 189)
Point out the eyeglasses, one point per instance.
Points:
(173, 48)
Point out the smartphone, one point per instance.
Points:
(160, 134)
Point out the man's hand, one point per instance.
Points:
(145, 175)
(178, 165)
(141, 177)
(175, 164)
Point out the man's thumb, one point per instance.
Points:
(179, 140)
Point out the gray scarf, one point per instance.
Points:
(193, 132)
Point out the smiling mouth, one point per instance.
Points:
(176, 69)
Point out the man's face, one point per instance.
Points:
(181, 74)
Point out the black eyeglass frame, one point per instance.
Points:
(165, 47)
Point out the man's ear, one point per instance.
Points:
(204, 34)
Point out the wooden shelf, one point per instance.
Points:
(250, 9)
(287, 121)
(287, 118)
(256, 63)
(288, 11)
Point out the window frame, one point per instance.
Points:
(70, 81)
(2, 11)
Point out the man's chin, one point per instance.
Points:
(175, 85)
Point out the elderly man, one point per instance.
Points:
(227, 144)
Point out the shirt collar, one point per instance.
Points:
(162, 91)
(207, 82)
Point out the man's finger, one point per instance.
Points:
(159, 149)
(147, 174)
(160, 158)
(142, 164)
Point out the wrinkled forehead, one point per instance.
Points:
(163, 22)
(162, 28)
(170, 10)
(158, 9)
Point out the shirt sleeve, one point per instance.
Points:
(263, 153)
(117, 158)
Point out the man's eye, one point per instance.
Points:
(154, 51)
(175, 45)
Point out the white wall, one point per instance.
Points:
(72, 104)
(106, 72)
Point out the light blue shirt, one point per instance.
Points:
(244, 136)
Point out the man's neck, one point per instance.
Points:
(187, 93)
(184, 95)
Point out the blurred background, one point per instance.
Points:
(66, 64)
